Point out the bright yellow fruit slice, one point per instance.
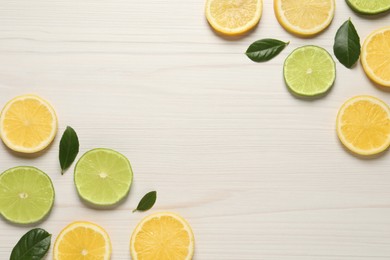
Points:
(162, 236)
(233, 17)
(363, 125)
(375, 56)
(28, 124)
(82, 240)
(304, 17)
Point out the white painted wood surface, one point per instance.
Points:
(258, 173)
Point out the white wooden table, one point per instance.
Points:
(258, 173)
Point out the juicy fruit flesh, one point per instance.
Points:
(162, 238)
(378, 55)
(309, 71)
(27, 123)
(365, 125)
(233, 13)
(25, 195)
(371, 6)
(103, 177)
(306, 14)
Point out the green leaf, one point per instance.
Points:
(147, 201)
(346, 46)
(265, 49)
(32, 246)
(69, 148)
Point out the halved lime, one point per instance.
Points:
(26, 195)
(369, 6)
(309, 71)
(103, 177)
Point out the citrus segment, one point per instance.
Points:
(162, 236)
(103, 177)
(363, 125)
(233, 17)
(82, 240)
(304, 17)
(26, 195)
(28, 124)
(369, 6)
(375, 56)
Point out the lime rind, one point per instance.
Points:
(103, 177)
(26, 195)
(309, 71)
(369, 7)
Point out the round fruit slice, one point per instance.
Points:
(363, 125)
(375, 56)
(28, 124)
(233, 17)
(369, 6)
(304, 17)
(82, 240)
(103, 177)
(26, 195)
(162, 236)
(309, 71)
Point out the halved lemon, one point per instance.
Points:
(162, 236)
(363, 125)
(304, 17)
(233, 17)
(375, 56)
(82, 240)
(28, 124)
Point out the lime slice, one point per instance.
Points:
(309, 71)
(103, 177)
(369, 6)
(26, 195)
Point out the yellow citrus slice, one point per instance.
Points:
(28, 124)
(162, 236)
(82, 240)
(375, 56)
(363, 125)
(304, 17)
(233, 17)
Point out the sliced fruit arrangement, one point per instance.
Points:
(103, 177)
(375, 56)
(26, 195)
(82, 240)
(233, 17)
(369, 7)
(363, 125)
(28, 124)
(304, 17)
(309, 71)
(162, 236)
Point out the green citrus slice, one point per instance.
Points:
(103, 177)
(309, 71)
(26, 195)
(369, 6)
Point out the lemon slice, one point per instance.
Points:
(233, 17)
(82, 240)
(304, 17)
(162, 236)
(28, 124)
(375, 56)
(363, 125)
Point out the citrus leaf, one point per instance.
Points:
(32, 246)
(265, 49)
(69, 148)
(147, 201)
(346, 46)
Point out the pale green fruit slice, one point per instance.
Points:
(309, 71)
(369, 7)
(26, 195)
(103, 177)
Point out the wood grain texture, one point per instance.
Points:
(258, 173)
